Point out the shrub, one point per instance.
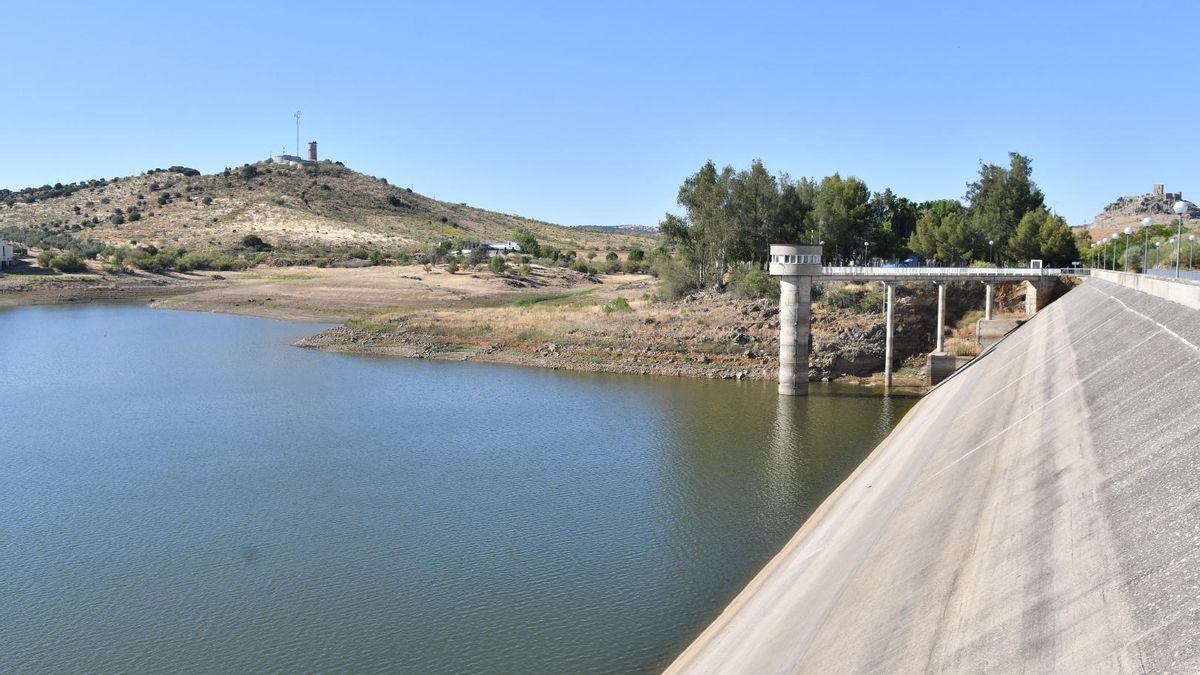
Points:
(872, 300)
(44, 258)
(117, 219)
(206, 201)
(479, 255)
(248, 171)
(155, 263)
(611, 256)
(497, 264)
(194, 261)
(757, 284)
(68, 262)
(613, 267)
(581, 266)
(634, 266)
(677, 279)
(637, 255)
(359, 253)
(452, 266)
(376, 258)
(618, 304)
(254, 243)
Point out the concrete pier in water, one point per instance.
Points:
(796, 266)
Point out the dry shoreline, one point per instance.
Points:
(551, 318)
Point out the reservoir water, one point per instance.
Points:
(188, 492)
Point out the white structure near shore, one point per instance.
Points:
(494, 248)
(6, 254)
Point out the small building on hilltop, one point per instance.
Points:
(293, 160)
(6, 254)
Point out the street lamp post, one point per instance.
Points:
(1128, 236)
(991, 251)
(1104, 253)
(1191, 250)
(866, 260)
(1116, 236)
(1179, 208)
(1157, 258)
(1146, 223)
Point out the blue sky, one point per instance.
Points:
(594, 113)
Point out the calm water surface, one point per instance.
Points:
(183, 491)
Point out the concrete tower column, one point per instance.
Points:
(887, 350)
(987, 302)
(795, 311)
(941, 318)
(796, 266)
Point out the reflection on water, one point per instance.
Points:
(188, 492)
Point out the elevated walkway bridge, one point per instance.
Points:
(799, 266)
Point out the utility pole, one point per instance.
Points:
(297, 133)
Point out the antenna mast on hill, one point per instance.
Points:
(297, 133)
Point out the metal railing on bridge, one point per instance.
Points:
(958, 272)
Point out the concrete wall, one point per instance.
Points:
(1034, 513)
(1184, 292)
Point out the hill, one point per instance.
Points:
(1129, 211)
(301, 211)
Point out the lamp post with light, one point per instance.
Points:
(1128, 236)
(1157, 257)
(1116, 236)
(1179, 208)
(1146, 223)
(1104, 253)
(991, 251)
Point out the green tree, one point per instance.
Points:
(1000, 198)
(1057, 243)
(942, 233)
(529, 243)
(843, 211)
(754, 212)
(794, 218)
(704, 235)
(1026, 242)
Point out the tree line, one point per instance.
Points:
(730, 218)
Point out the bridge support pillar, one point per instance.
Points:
(887, 348)
(987, 301)
(1038, 294)
(941, 318)
(795, 266)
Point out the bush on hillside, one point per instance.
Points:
(497, 264)
(68, 262)
(757, 284)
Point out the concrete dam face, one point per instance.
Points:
(1037, 512)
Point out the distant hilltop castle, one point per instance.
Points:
(1166, 196)
(1129, 211)
(292, 160)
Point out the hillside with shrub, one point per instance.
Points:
(268, 212)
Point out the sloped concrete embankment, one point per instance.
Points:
(1038, 512)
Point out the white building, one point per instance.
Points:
(6, 254)
(494, 248)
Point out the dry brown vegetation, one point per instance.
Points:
(297, 210)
